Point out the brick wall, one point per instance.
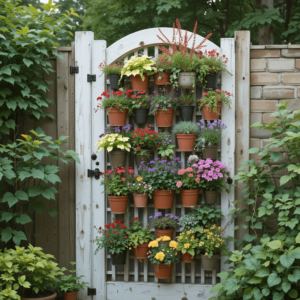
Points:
(275, 77)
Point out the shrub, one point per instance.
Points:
(111, 69)
(163, 100)
(187, 99)
(187, 243)
(188, 179)
(166, 222)
(113, 141)
(186, 127)
(139, 234)
(143, 140)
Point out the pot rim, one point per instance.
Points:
(164, 229)
(114, 74)
(187, 105)
(44, 298)
(186, 133)
(141, 109)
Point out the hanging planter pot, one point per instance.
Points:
(212, 81)
(141, 115)
(210, 152)
(186, 112)
(51, 297)
(164, 232)
(116, 117)
(211, 197)
(118, 204)
(118, 259)
(117, 158)
(187, 258)
(209, 263)
(163, 271)
(208, 114)
(113, 81)
(145, 158)
(138, 84)
(140, 252)
(186, 80)
(140, 200)
(189, 197)
(162, 78)
(70, 296)
(163, 199)
(164, 118)
(186, 142)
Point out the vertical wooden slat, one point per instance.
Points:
(202, 276)
(156, 51)
(136, 261)
(145, 220)
(146, 51)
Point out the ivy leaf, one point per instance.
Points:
(38, 174)
(21, 195)
(6, 216)
(6, 234)
(275, 244)
(278, 296)
(293, 293)
(34, 191)
(284, 179)
(253, 150)
(39, 206)
(52, 212)
(273, 279)
(10, 199)
(265, 292)
(286, 286)
(18, 237)
(223, 275)
(276, 156)
(286, 261)
(231, 285)
(254, 280)
(10, 124)
(23, 219)
(262, 272)
(27, 62)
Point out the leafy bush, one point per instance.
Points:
(166, 146)
(186, 127)
(139, 234)
(166, 222)
(163, 100)
(111, 69)
(187, 99)
(188, 179)
(137, 186)
(187, 243)
(143, 140)
(113, 141)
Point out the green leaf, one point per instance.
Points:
(295, 276)
(35, 191)
(278, 296)
(273, 280)
(275, 244)
(231, 285)
(10, 124)
(286, 286)
(10, 199)
(276, 156)
(52, 212)
(23, 219)
(253, 150)
(286, 261)
(39, 206)
(21, 195)
(223, 275)
(293, 293)
(18, 237)
(284, 179)
(7, 216)
(6, 234)
(38, 174)
(27, 62)
(217, 288)
(254, 280)
(265, 292)
(262, 272)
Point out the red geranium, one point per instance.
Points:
(136, 219)
(107, 235)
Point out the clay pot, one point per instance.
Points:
(163, 199)
(209, 263)
(164, 232)
(186, 80)
(211, 197)
(113, 81)
(209, 114)
(210, 152)
(186, 112)
(162, 78)
(186, 142)
(163, 271)
(187, 258)
(116, 117)
(140, 200)
(118, 259)
(117, 158)
(141, 115)
(51, 297)
(141, 251)
(138, 84)
(212, 81)
(70, 296)
(189, 197)
(118, 204)
(164, 118)
(145, 158)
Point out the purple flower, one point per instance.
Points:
(156, 105)
(151, 103)
(176, 218)
(165, 102)
(101, 135)
(150, 217)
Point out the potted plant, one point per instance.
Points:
(188, 185)
(163, 65)
(140, 190)
(114, 237)
(27, 273)
(161, 175)
(209, 138)
(112, 72)
(139, 238)
(139, 105)
(116, 183)
(162, 256)
(164, 226)
(117, 107)
(186, 133)
(187, 245)
(69, 284)
(186, 107)
(213, 179)
(139, 68)
(165, 149)
(212, 102)
(143, 142)
(116, 142)
(162, 105)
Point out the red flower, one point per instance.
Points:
(138, 97)
(105, 231)
(134, 176)
(157, 145)
(138, 147)
(99, 98)
(133, 96)
(111, 242)
(125, 237)
(122, 220)
(103, 94)
(116, 221)
(113, 226)
(117, 233)
(130, 222)
(108, 96)
(205, 94)
(136, 219)
(107, 235)
(114, 231)
(131, 171)
(218, 91)
(130, 91)
(117, 105)
(100, 228)
(123, 179)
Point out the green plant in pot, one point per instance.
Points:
(188, 246)
(139, 238)
(139, 105)
(27, 273)
(164, 225)
(69, 284)
(140, 190)
(186, 107)
(163, 65)
(113, 73)
(186, 133)
(139, 68)
(165, 149)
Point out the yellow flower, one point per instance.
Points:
(187, 245)
(153, 244)
(129, 248)
(201, 244)
(206, 230)
(24, 136)
(163, 249)
(217, 245)
(206, 253)
(175, 253)
(159, 256)
(219, 228)
(139, 178)
(166, 238)
(159, 239)
(173, 244)
(208, 237)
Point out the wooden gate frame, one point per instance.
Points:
(89, 197)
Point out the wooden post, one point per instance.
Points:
(242, 122)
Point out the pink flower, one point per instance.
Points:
(210, 173)
(140, 103)
(215, 176)
(205, 94)
(218, 91)
(191, 175)
(123, 179)
(195, 165)
(189, 169)
(130, 171)
(220, 175)
(179, 184)
(181, 172)
(170, 105)
(217, 170)
(197, 179)
(208, 178)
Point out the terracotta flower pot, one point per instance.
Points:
(118, 204)
(209, 263)
(162, 78)
(51, 297)
(163, 271)
(141, 251)
(187, 258)
(145, 158)
(209, 114)
(118, 259)
(163, 199)
(186, 142)
(189, 197)
(116, 117)
(164, 118)
(164, 232)
(138, 84)
(210, 152)
(70, 296)
(140, 200)
(211, 197)
(186, 80)
(117, 158)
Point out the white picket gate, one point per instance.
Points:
(134, 280)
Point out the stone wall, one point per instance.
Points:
(275, 77)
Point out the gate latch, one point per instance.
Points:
(91, 78)
(96, 173)
(91, 292)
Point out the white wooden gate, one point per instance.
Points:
(134, 280)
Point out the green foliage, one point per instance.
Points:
(163, 100)
(186, 127)
(212, 98)
(163, 253)
(188, 179)
(187, 99)
(187, 242)
(139, 234)
(165, 148)
(166, 222)
(185, 63)
(111, 69)
(20, 164)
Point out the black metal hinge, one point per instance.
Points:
(91, 292)
(91, 78)
(74, 70)
(96, 173)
